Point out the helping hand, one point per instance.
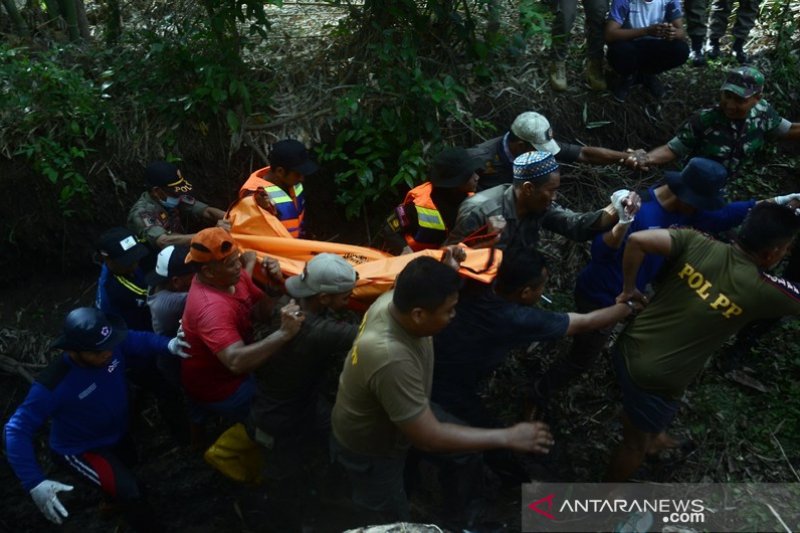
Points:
(178, 345)
(46, 499)
(625, 203)
(532, 437)
(272, 269)
(291, 318)
(453, 256)
(786, 198)
(637, 160)
(263, 201)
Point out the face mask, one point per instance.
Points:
(171, 202)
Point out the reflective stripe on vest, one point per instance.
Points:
(430, 218)
(290, 210)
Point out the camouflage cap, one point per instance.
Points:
(744, 81)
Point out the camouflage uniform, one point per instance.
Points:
(565, 11)
(746, 15)
(696, 18)
(149, 220)
(709, 133)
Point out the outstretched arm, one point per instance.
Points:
(428, 434)
(644, 161)
(597, 155)
(599, 318)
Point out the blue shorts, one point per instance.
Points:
(648, 412)
(234, 408)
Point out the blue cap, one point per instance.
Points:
(532, 165)
(87, 329)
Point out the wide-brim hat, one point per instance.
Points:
(700, 184)
(88, 329)
(453, 167)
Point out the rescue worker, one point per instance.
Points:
(84, 393)
(731, 132)
(532, 131)
(121, 287)
(429, 210)
(279, 187)
(156, 216)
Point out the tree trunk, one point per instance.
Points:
(113, 23)
(53, 11)
(19, 23)
(83, 22)
(71, 18)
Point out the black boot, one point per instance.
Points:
(713, 49)
(738, 51)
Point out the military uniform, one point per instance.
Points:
(709, 133)
(696, 18)
(149, 220)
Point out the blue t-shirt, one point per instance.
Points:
(635, 14)
(601, 280)
(486, 327)
(88, 406)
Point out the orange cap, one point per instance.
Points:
(211, 244)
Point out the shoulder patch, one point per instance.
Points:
(784, 285)
(55, 372)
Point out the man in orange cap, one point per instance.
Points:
(222, 304)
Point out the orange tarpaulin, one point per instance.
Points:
(254, 229)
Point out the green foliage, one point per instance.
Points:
(391, 122)
(50, 115)
(382, 123)
(782, 19)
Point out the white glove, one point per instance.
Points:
(785, 199)
(45, 497)
(178, 345)
(617, 198)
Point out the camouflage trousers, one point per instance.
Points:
(697, 20)
(565, 12)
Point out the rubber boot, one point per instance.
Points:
(595, 75)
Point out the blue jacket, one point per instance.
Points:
(88, 406)
(601, 280)
(124, 296)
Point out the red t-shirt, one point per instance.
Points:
(213, 320)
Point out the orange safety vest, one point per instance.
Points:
(431, 230)
(290, 205)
